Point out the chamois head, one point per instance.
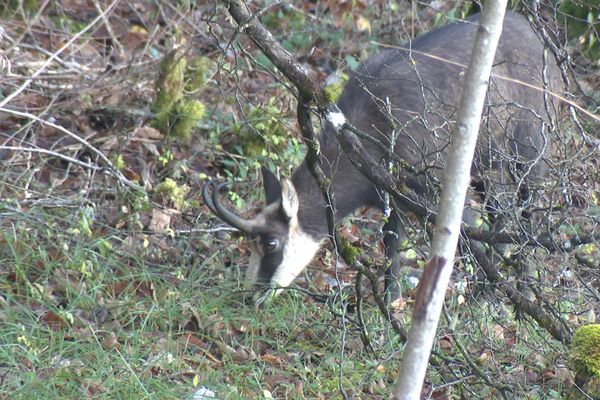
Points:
(280, 248)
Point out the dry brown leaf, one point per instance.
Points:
(398, 304)
(131, 175)
(160, 221)
(191, 340)
(110, 341)
(92, 388)
(446, 344)
(53, 321)
(498, 331)
(272, 360)
(147, 132)
(144, 289)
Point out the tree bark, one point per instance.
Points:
(436, 276)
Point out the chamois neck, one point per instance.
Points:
(350, 191)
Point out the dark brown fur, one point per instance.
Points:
(424, 93)
(414, 92)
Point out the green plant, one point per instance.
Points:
(12, 7)
(582, 21)
(263, 139)
(175, 112)
(172, 194)
(585, 350)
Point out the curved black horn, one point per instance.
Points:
(231, 218)
(206, 195)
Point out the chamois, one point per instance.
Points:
(407, 98)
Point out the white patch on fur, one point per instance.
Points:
(336, 118)
(289, 198)
(299, 251)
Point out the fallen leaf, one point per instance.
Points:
(53, 321)
(272, 360)
(147, 132)
(446, 344)
(110, 341)
(160, 221)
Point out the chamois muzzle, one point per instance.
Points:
(213, 201)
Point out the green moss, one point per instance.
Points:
(349, 252)
(186, 116)
(175, 114)
(172, 193)
(198, 71)
(118, 162)
(585, 350)
(334, 89)
(169, 89)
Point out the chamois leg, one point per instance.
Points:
(470, 217)
(393, 237)
(529, 173)
(527, 270)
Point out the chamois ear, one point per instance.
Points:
(289, 198)
(271, 185)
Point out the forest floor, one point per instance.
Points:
(117, 282)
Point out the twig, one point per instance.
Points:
(108, 27)
(520, 302)
(364, 334)
(101, 155)
(30, 23)
(51, 153)
(208, 230)
(49, 61)
(379, 300)
(502, 388)
(448, 384)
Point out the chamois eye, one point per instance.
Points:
(270, 245)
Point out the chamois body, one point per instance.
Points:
(407, 99)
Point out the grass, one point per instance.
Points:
(123, 314)
(84, 316)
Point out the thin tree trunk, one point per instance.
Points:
(436, 276)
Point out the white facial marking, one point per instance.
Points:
(299, 249)
(298, 252)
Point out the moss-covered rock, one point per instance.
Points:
(176, 114)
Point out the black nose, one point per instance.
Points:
(248, 297)
(257, 296)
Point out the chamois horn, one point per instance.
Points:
(214, 204)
